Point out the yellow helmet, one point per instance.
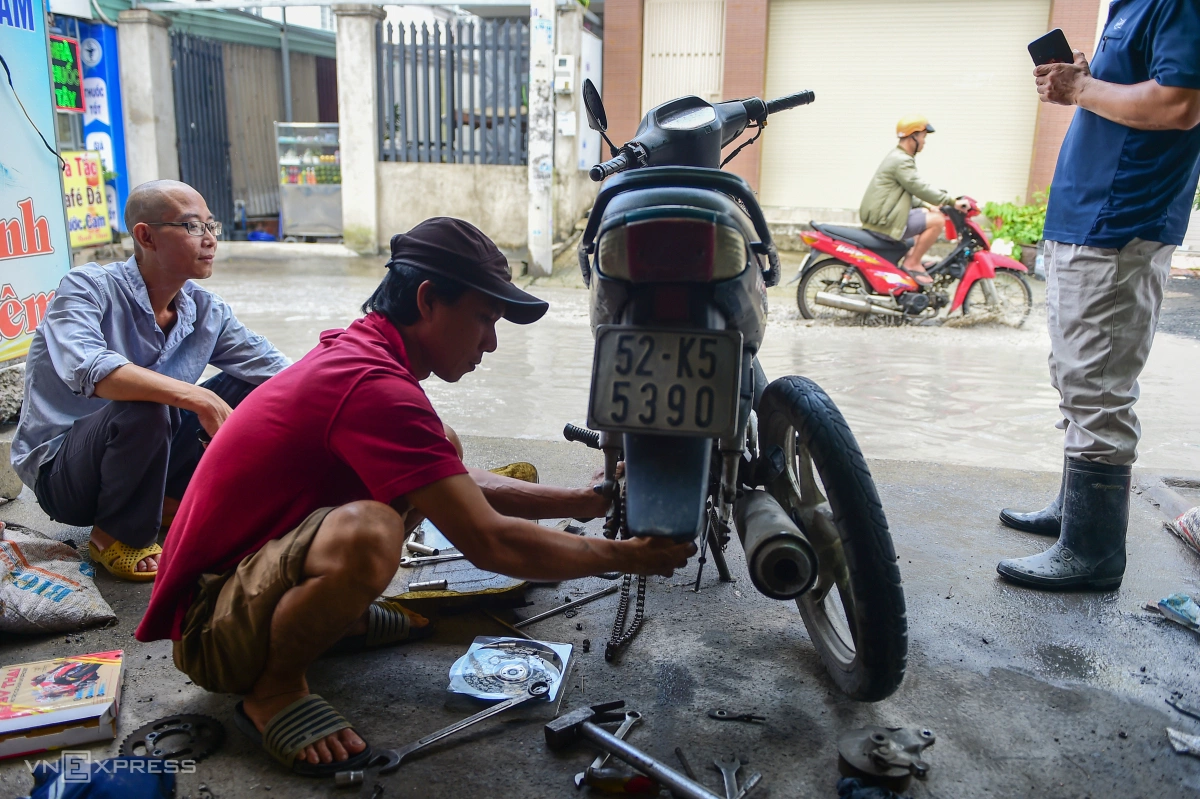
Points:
(909, 125)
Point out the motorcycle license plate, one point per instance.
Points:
(682, 382)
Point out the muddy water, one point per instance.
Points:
(967, 395)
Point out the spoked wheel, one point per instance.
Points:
(855, 612)
(1014, 299)
(826, 276)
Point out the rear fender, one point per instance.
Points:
(983, 265)
(666, 484)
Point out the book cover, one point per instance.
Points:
(49, 704)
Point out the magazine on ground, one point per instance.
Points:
(52, 704)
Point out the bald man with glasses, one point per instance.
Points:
(113, 422)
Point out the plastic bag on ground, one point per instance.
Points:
(1187, 527)
(45, 587)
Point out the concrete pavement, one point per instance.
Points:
(1029, 694)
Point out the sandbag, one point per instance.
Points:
(45, 587)
(1187, 527)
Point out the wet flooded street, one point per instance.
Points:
(957, 395)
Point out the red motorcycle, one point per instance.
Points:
(853, 271)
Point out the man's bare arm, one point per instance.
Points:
(535, 501)
(131, 383)
(527, 551)
(1142, 106)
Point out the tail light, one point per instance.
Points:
(808, 238)
(673, 251)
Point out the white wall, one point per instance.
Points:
(493, 198)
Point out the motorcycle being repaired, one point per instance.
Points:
(677, 257)
(856, 272)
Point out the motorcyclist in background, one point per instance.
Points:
(894, 201)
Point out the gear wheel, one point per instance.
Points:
(182, 737)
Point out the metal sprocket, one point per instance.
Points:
(187, 736)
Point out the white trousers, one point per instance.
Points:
(1102, 307)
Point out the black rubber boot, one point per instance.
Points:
(1047, 521)
(1090, 551)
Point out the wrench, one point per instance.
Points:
(536, 690)
(729, 769)
(631, 717)
(408, 563)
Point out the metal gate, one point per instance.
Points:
(455, 92)
(203, 135)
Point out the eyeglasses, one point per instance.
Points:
(195, 227)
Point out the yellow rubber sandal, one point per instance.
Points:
(121, 560)
(518, 471)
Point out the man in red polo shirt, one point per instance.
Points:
(294, 522)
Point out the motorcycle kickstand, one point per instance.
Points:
(719, 558)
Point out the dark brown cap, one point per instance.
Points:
(460, 251)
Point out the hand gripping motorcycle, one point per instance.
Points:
(677, 257)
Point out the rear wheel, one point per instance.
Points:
(855, 612)
(827, 276)
(1014, 299)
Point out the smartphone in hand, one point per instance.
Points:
(1051, 49)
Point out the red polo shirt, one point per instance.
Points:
(348, 422)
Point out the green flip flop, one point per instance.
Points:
(303, 722)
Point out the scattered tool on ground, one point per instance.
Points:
(683, 761)
(428, 585)
(421, 549)
(612, 780)
(411, 563)
(725, 715)
(889, 756)
(583, 723)
(1184, 708)
(729, 769)
(536, 690)
(632, 717)
(603, 592)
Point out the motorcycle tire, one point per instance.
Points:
(855, 613)
(1013, 287)
(822, 270)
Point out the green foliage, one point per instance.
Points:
(1020, 224)
(1196, 202)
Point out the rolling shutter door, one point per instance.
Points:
(683, 50)
(961, 63)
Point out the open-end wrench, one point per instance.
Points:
(631, 717)
(536, 690)
(409, 563)
(729, 769)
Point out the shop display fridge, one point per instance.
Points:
(310, 179)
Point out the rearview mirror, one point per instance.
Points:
(597, 119)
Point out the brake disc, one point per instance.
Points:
(182, 737)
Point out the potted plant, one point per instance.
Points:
(1020, 224)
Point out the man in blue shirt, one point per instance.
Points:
(110, 426)
(1119, 206)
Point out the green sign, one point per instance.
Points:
(66, 74)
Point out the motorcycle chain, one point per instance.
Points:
(620, 636)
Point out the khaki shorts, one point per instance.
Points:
(227, 629)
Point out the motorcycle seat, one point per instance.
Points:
(883, 246)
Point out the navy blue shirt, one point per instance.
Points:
(1112, 183)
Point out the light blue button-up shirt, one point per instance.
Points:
(100, 319)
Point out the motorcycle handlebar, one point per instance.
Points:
(610, 167)
(790, 101)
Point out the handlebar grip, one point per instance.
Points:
(610, 167)
(791, 101)
(588, 437)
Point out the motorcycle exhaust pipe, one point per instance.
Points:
(852, 304)
(783, 565)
